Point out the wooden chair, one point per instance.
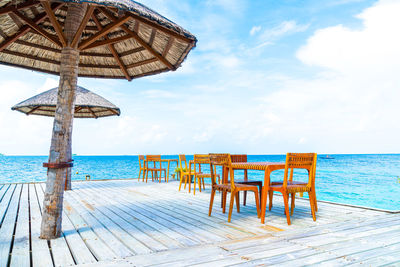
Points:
(306, 161)
(199, 176)
(157, 167)
(243, 158)
(224, 160)
(185, 172)
(142, 168)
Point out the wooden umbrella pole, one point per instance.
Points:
(60, 149)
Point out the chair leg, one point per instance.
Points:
(200, 183)
(144, 173)
(312, 205)
(244, 198)
(270, 196)
(180, 182)
(211, 201)
(185, 181)
(293, 196)
(315, 200)
(231, 205)
(147, 175)
(286, 202)
(257, 204)
(224, 201)
(204, 185)
(194, 185)
(237, 202)
(140, 172)
(190, 182)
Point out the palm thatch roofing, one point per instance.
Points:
(87, 104)
(120, 38)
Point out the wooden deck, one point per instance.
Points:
(129, 223)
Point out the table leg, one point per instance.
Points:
(264, 195)
(168, 171)
(245, 192)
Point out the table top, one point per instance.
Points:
(262, 166)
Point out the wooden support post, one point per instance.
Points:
(60, 149)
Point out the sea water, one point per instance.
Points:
(364, 180)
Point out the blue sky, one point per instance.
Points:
(266, 77)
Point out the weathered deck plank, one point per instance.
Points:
(7, 227)
(59, 247)
(20, 254)
(109, 223)
(41, 255)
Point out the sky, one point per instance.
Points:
(266, 77)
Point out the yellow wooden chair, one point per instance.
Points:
(198, 160)
(224, 160)
(155, 160)
(185, 172)
(307, 161)
(142, 168)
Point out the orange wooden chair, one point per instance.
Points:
(142, 168)
(306, 161)
(224, 160)
(155, 160)
(243, 158)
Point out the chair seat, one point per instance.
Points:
(247, 182)
(192, 172)
(205, 175)
(156, 169)
(240, 187)
(292, 188)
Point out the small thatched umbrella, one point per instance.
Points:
(87, 105)
(89, 38)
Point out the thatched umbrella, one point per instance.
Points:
(87, 104)
(86, 38)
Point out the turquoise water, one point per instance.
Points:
(365, 180)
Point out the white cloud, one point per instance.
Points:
(284, 28)
(254, 30)
(371, 51)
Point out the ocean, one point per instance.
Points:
(363, 180)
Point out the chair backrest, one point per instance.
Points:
(182, 158)
(306, 161)
(199, 159)
(153, 158)
(225, 161)
(239, 158)
(141, 157)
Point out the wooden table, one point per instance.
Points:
(267, 167)
(169, 161)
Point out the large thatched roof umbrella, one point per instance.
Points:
(89, 38)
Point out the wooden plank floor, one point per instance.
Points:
(130, 223)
